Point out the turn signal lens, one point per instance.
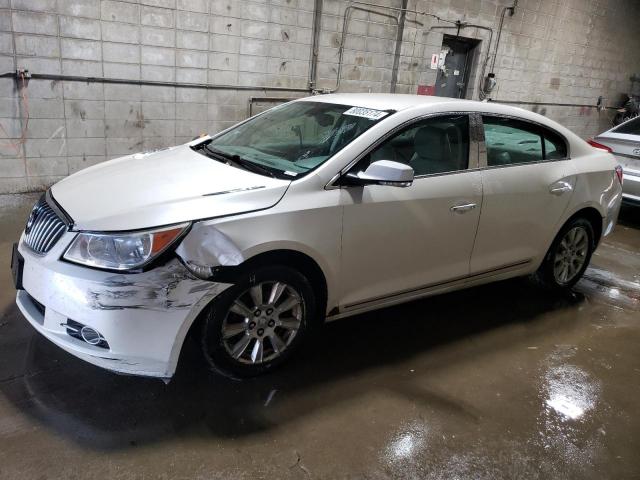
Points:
(619, 173)
(595, 144)
(162, 239)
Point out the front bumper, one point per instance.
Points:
(144, 317)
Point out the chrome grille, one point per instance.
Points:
(44, 227)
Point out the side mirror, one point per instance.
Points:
(383, 172)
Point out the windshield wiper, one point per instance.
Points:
(241, 162)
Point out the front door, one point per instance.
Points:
(400, 239)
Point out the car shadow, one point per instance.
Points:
(343, 361)
(630, 216)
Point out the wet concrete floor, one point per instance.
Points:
(500, 381)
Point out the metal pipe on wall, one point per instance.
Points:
(481, 89)
(358, 5)
(208, 86)
(504, 11)
(315, 42)
(396, 56)
(345, 24)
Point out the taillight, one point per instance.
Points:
(595, 144)
(619, 173)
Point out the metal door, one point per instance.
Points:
(452, 74)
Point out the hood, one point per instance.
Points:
(160, 188)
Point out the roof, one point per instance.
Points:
(382, 101)
(401, 101)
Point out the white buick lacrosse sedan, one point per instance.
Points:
(320, 208)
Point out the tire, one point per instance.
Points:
(568, 257)
(245, 334)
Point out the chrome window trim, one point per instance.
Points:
(483, 153)
(473, 152)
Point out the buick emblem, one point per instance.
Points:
(636, 151)
(30, 220)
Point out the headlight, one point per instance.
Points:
(122, 251)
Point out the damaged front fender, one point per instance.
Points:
(205, 249)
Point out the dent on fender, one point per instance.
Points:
(206, 247)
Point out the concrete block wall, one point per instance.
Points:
(368, 50)
(551, 51)
(76, 124)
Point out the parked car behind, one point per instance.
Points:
(320, 208)
(624, 142)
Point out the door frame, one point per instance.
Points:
(471, 53)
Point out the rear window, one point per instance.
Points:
(632, 127)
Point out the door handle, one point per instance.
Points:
(560, 187)
(463, 208)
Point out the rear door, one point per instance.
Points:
(527, 183)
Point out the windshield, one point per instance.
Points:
(292, 139)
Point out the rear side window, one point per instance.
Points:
(510, 141)
(632, 127)
(554, 146)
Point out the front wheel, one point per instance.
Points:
(568, 257)
(259, 322)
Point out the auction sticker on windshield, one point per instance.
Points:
(369, 113)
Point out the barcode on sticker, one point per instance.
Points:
(369, 113)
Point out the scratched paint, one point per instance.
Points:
(168, 287)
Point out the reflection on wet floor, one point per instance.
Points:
(500, 381)
(569, 390)
(570, 395)
(406, 442)
(610, 288)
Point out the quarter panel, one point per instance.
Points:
(597, 187)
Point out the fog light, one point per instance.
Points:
(85, 333)
(90, 336)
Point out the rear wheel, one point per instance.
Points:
(569, 255)
(259, 322)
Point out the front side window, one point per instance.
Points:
(510, 141)
(433, 145)
(294, 138)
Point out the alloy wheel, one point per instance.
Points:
(571, 255)
(262, 322)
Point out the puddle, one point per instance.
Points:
(607, 287)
